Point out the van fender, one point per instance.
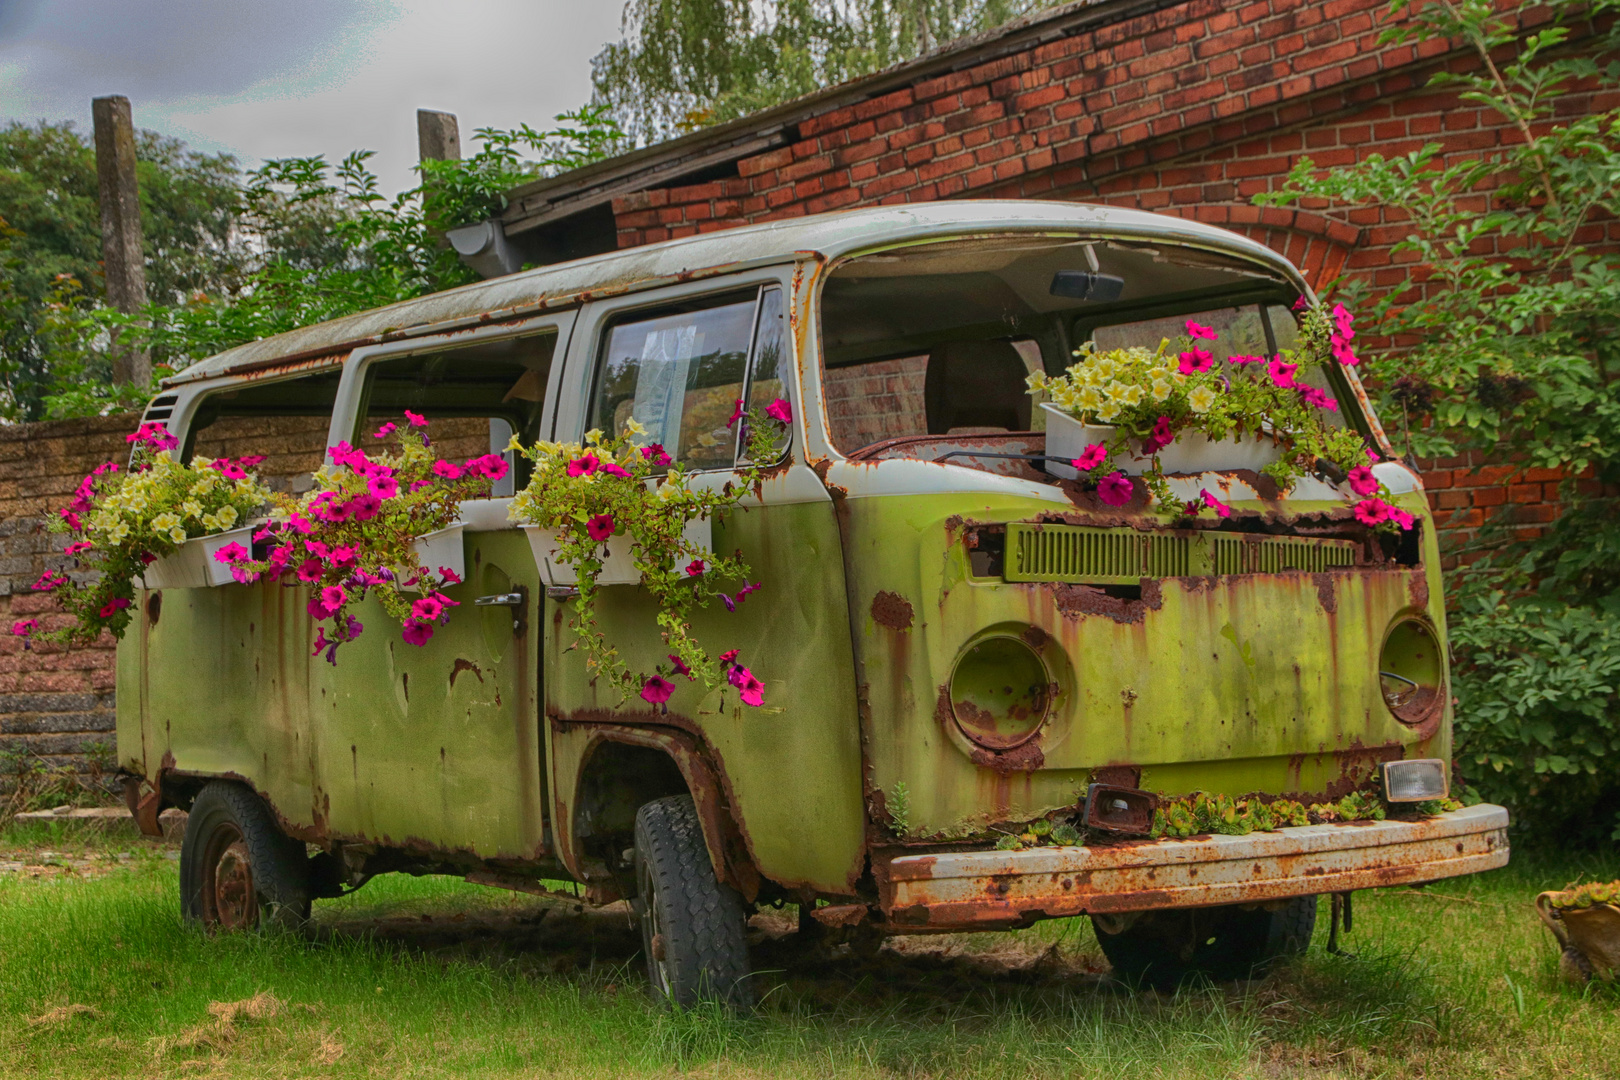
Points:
(728, 847)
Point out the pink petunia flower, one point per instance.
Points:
(1317, 398)
(599, 527)
(416, 632)
(384, 431)
(447, 470)
(243, 575)
(1091, 457)
(345, 456)
(584, 465)
(72, 519)
(655, 453)
(78, 546)
(250, 461)
(1342, 320)
(113, 607)
(736, 414)
(1372, 511)
(1373, 455)
(1115, 489)
(1195, 361)
(318, 549)
(415, 419)
(334, 597)
(429, 608)
(309, 570)
(616, 470)
(1195, 331)
(418, 485)
(23, 627)
(50, 579)
(232, 553)
(656, 690)
(231, 470)
(362, 507)
(695, 568)
(300, 524)
(728, 657)
(1220, 508)
(449, 576)
(680, 666)
(341, 557)
(1160, 437)
(491, 466)
(750, 689)
(1402, 518)
(153, 436)
(1241, 360)
(384, 487)
(1282, 373)
(780, 411)
(743, 592)
(1362, 481)
(731, 605)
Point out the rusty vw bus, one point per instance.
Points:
(958, 646)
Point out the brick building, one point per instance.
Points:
(1187, 108)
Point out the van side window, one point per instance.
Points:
(475, 399)
(679, 374)
(286, 421)
(770, 373)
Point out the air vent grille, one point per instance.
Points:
(1073, 553)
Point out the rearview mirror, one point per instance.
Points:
(1087, 285)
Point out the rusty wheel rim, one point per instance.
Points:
(229, 898)
(653, 939)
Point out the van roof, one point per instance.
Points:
(828, 236)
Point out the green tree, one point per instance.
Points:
(684, 64)
(1511, 313)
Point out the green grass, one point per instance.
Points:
(434, 977)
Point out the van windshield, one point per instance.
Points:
(927, 346)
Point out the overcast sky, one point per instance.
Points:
(282, 78)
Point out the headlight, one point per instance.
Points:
(1418, 780)
(1411, 671)
(1000, 692)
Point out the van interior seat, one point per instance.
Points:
(976, 384)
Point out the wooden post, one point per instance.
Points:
(438, 136)
(123, 260)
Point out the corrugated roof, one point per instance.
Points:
(825, 235)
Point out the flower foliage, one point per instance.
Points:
(121, 520)
(1150, 397)
(354, 534)
(621, 491)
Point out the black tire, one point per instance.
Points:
(238, 871)
(1162, 949)
(692, 926)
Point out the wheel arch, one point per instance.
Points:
(623, 768)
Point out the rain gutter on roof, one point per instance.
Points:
(555, 198)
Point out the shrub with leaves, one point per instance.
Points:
(620, 486)
(121, 520)
(354, 534)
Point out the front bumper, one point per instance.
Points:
(1008, 888)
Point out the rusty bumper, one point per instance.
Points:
(999, 888)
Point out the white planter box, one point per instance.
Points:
(442, 547)
(193, 565)
(1191, 453)
(617, 569)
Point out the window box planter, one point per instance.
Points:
(193, 566)
(442, 547)
(618, 568)
(1191, 453)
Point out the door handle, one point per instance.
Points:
(517, 600)
(505, 599)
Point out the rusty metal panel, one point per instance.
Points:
(1001, 887)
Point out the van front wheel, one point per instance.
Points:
(692, 925)
(237, 870)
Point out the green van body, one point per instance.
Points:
(490, 753)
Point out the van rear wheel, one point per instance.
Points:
(238, 871)
(692, 926)
(1162, 949)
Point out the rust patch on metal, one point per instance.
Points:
(841, 915)
(1417, 588)
(1074, 601)
(1325, 593)
(1125, 776)
(465, 665)
(1024, 758)
(892, 610)
(1035, 637)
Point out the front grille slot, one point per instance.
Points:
(1075, 554)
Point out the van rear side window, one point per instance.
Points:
(286, 421)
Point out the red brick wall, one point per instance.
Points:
(1191, 110)
(53, 703)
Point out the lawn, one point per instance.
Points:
(435, 977)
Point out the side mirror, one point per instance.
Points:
(1087, 285)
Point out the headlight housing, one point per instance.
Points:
(1000, 692)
